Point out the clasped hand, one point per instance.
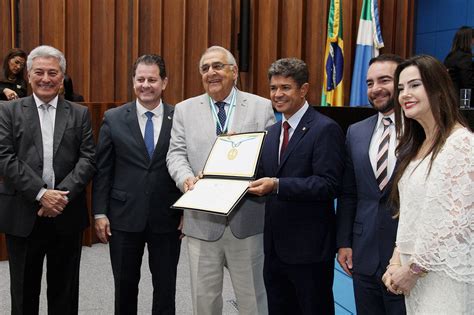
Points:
(53, 203)
(399, 279)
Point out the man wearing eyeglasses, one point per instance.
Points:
(213, 241)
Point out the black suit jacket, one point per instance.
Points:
(130, 188)
(300, 219)
(21, 164)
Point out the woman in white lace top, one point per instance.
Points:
(433, 261)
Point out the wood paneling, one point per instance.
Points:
(101, 39)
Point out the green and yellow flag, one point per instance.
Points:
(333, 89)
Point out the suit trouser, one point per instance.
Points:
(244, 261)
(294, 289)
(63, 256)
(372, 297)
(126, 252)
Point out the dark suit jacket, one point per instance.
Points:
(21, 164)
(461, 69)
(300, 219)
(129, 188)
(364, 218)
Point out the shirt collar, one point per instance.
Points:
(382, 116)
(157, 111)
(228, 99)
(294, 120)
(53, 102)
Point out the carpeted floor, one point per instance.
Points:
(97, 291)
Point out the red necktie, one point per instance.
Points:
(284, 143)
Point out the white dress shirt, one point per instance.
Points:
(157, 119)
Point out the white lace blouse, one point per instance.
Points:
(436, 226)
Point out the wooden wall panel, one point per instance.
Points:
(174, 49)
(101, 39)
(266, 43)
(291, 28)
(6, 40)
(30, 24)
(150, 27)
(102, 67)
(78, 45)
(53, 28)
(126, 47)
(196, 41)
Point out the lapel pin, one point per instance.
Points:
(169, 117)
(304, 128)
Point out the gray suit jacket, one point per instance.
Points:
(21, 164)
(192, 136)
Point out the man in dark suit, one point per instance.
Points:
(365, 228)
(302, 164)
(47, 158)
(133, 191)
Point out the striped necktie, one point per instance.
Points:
(382, 155)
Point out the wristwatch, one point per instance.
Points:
(418, 270)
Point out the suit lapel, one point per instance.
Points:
(206, 120)
(164, 131)
(62, 113)
(33, 121)
(132, 122)
(240, 111)
(298, 134)
(366, 136)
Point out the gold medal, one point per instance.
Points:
(232, 154)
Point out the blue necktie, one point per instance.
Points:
(222, 117)
(149, 138)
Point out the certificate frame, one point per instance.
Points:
(230, 166)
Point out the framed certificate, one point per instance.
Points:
(230, 166)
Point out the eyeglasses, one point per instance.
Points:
(215, 65)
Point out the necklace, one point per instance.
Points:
(233, 152)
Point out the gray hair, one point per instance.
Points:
(46, 52)
(290, 67)
(230, 58)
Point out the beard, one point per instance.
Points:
(384, 108)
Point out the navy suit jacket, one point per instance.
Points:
(300, 219)
(364, 218)
(130, 188)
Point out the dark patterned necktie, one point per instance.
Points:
(222, 116)
(382, 155)
(284, 143)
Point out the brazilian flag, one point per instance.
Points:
(333, 89)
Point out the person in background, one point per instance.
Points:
(215, 242)
(459, 60)
(366, 229)
(302, 164)
(47, 159)
(68, 90)
(133, 192)
(12, 82)
(432, 264)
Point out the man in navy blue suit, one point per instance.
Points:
(301, 169)
(365, 228)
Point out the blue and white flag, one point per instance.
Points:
(369, 41)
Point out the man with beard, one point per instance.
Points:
(365, 228)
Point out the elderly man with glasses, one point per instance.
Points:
(215, 242)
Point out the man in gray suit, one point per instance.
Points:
(213, 241)
(47, 158)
